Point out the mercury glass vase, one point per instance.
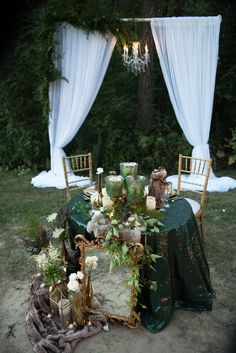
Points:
(135, 189)
(77, 312)
(128, 168)
(114, 185)
(89, 291)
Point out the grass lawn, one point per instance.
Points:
(20, 201)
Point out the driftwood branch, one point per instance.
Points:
(42, 329)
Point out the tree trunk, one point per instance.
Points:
(145, 89)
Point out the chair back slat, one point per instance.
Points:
(77, 164)
(194, 166)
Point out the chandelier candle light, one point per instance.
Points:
(136, 62)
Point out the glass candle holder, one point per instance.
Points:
(135, 189)
(114, 185)
(128, 168)
(150, 203)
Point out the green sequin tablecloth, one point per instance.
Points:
(182, 272)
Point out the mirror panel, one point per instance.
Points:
(110, 292)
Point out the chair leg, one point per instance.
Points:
(68, 194)
(201, 222)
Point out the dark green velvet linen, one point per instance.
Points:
(78, 218)
(182, 271)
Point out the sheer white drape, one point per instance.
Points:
(83, 61)
(187, 48)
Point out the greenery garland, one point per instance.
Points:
(121, 220)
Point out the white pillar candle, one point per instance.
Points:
(64, 310)
(151, 203)
(93, 198)
(107, 202)
(104, 192)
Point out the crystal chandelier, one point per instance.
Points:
(136, 62)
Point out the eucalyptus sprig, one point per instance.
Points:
(122, 254)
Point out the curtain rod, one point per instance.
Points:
(136, 19)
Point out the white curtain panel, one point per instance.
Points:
(83, 61)
(187, 48)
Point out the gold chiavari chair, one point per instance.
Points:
(80, 166)
(200, 170)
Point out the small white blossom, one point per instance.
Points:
(223, 210)
(99, 171)
(58, 232)
(52, 217)
(73, 286)
(80, 275)
(41, 259)
(53, 253)
(91, 261)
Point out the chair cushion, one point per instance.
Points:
(194, 204)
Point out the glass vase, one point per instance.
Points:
(100, 189)
(128, 168)
(77, 312)
(135, 189)
(114, 186)
(89, 292)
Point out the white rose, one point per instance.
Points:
(94, 262)
(73, 277)
(80, 275)
(94, 265)
(91, 261)
(89, 227)
(99, 171)
(92, 227)
(73, 286)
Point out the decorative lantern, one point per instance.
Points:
(59, 302)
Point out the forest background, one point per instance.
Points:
(132, 118)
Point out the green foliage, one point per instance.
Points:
(25, 74)
(51, 264)
(127, 252)
(163, 146)
(124, 254)
(37, 237)
(232, 146)
(111, 131)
